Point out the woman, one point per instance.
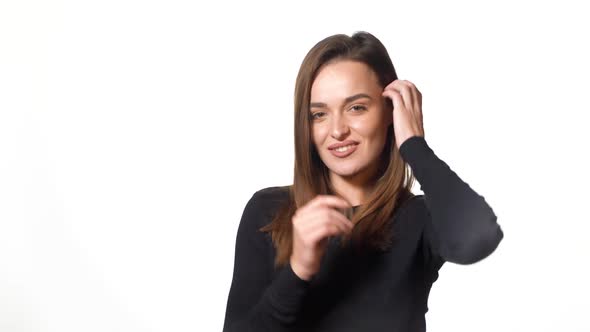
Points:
(348, 247)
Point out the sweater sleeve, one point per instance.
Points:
(462, 227)
(256, 302)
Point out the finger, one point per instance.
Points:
(395, 97)
(341, 218)
(343, 224)
(406, 93)
(416, 96)
(323, 230)
(313, 218)
(419, 101)
(310, 220)
(392, 84)
(413, 93)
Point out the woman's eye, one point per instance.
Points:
(356, 108)
(315, 115)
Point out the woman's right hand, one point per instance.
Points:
(313, 224)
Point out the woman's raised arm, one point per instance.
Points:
(462, 227)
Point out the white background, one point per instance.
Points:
(132, 134)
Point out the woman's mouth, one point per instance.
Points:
(344, 151)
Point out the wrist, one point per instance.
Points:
(300, 271)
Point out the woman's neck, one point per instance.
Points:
(354, 192)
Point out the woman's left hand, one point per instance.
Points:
(407, 110)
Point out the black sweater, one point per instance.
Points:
(376, 291)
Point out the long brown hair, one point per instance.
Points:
(311, 176)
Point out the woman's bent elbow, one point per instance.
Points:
(479, 245)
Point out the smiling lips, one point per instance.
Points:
(343, 151)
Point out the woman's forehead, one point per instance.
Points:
(337, 81)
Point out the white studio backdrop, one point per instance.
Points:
(132, 134)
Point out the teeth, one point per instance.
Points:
(344, 148)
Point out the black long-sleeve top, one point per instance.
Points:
(377, 291)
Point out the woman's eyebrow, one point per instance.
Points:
(346, 101)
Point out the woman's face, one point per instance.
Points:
(347, 105)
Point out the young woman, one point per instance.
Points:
(347, 246)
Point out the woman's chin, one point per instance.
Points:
(345, 172)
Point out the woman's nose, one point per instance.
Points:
(339, 127)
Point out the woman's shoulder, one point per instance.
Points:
(272, 197)
(416, 201)
(273, 193)
(265, 202)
